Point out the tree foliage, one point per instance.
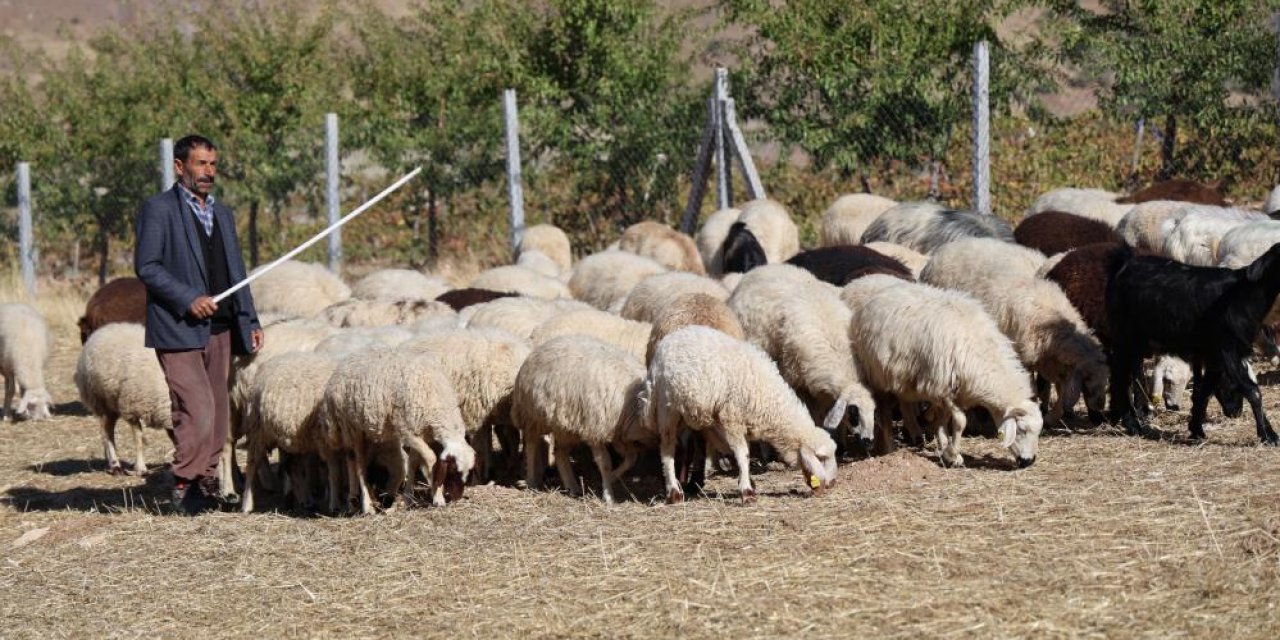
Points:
(860, 84)
(1199, 65)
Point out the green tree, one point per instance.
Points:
(859, 85)
(427, 90)
(1202, 65)
(619, 106)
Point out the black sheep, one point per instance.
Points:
(1207, 316)
(1180, 190)
(459, 299)
(840, 265)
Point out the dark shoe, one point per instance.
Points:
(212, 489)
(188, 499)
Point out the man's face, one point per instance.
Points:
(199, 171)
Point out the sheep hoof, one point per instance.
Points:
(675, 496)
(748, 496)
(116, 470)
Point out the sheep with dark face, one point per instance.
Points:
(763, 234)
(1207, 316)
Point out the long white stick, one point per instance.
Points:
(302, 247)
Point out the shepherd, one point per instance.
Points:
(187, 251)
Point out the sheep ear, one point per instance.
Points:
(1008, 431)
(832, 421)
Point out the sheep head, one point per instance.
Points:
(449, 476)
(858, 405)
(1020, 431)
(818, 463)
(34, 405)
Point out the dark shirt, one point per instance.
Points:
(215, 260)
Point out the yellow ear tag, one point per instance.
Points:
(814, 482)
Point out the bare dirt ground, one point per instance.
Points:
(1106, 536)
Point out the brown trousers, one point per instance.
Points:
(197, 380)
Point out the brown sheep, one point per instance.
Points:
(459, 299)
(841, 265)
(1179, 190)
(1082, 274)
(1053, 232)
(121, 300)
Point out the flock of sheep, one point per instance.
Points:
(908, 313)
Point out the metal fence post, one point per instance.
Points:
(702, 166)
(332, 169)
(515, 192)
(740, 151)
(723, 196)
(981, 128)
(166, 164)
(26, 253)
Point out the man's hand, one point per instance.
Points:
(203, 307)
(257, 337)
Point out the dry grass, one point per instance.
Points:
(1105, 536)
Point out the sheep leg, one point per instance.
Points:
(109, 444)
(1205, 383)
(9, 389)
(604, 462)
(482, 442)
(668, 424)
(1125, 367)
(911, 422)
(737, 443)
(400, 490)
(1044, 394)
(951, 419)
(628, 460)
(1239, 375)
(139, 445)
(535, 461)
(564, 467)
(357, 461)
(938, 423)
(423, 457)
(335, 480)
(257, 455)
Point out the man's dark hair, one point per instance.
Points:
(182, 148)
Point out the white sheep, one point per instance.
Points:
(517, 315)
(394, 400)
(1169, 379)
(1194, 236)
(285, 412)
(773, 228)
(803, 325)
(604, 279)
(522, 281)
(664, 245)
(910, 258)
(693, 309)
(351, 340)
(924, 344)
(844, 221)
(119, 378)
(1046, 329)
(730, 281)
(651, 295)
(377, 313)
(539, 263)
(1245, 243)
(710, 239)
(398, 284)
(297, 289)
(1141, 227)
(580, 390)
(25, 346)
(550, 241)
(287, 336)
(731, 392)
(629, 335)
(1097, 204)
(482, 365)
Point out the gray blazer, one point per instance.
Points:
(169, 261)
